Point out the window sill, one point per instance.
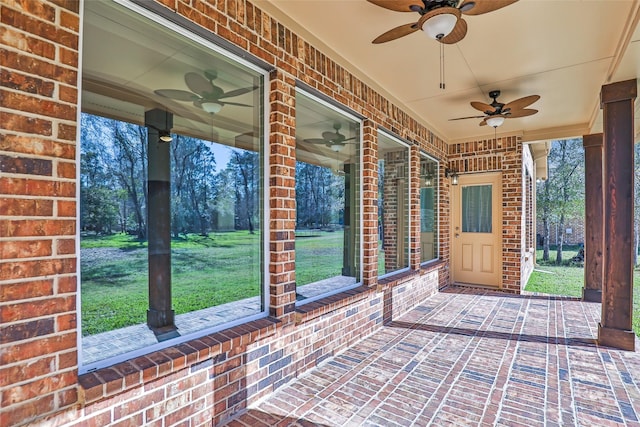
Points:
(317, 308)
(396, 279)
(196, 354)
(429, 266)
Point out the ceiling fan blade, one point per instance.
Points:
(521, 113)
(484, 6)
(483, 106)
(457, 34)
(521, 103)
(237, 92)
(330, 136)
(396, 33)
(484, 122)
(234, 103)
(470, 117)
(350, 139)
(399, 5)
(179, 95)
(315, 140)
(196, 83)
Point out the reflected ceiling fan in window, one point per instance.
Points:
(496, 112)
(205, 94)
(334, 140)
(439, 19)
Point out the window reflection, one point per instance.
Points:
(171, 185)
(393, 204)
(428, 208)
(327, 199)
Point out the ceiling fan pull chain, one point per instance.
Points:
(442, 86)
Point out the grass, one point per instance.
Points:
(568, 280)
(206, 271)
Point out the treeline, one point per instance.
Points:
(113, 185)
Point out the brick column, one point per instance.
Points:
(414, 206)
(617, 291)
(282, 196)
(38, 281)
(370, 205)
(592, 290)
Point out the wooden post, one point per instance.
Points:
(160, 316)
(593, 248)
(615, 328)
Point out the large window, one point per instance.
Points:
(327, 199)
(428, 208)
(393, 204)
(171, 186)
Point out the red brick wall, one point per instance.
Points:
(204, 379)
(503, 155)
(38, 92)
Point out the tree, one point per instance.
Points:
(561, 196)
(544, 205)
(245, 166)
(193, 169)
(130, 168)
(99, 195)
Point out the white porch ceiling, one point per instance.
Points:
(562, 50)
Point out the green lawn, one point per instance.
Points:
(568, 280)
(206, 271)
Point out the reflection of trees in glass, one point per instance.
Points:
(113, 176)
(192, 185)
(319, 196)
(427, 209)
(113, 183)
(244, 166)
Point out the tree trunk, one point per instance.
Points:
(546, 223)
(560, 238)
(636, 242)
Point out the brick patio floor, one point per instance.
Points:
(468, 357)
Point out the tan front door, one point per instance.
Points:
(477, 229)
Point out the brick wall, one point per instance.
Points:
(203, 379)
(39, 96)
(502, 155)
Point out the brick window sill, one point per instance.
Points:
(396, 279)
(331, 303)
(196, 354)
(428, 267)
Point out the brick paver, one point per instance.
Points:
(468, 357)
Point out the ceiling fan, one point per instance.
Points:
(440, 19)
(334, 140)
(205, 94)
(496, 112)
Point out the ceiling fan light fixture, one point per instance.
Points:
(336, 147)
(440, 25)
(211, 107)
(495, 121)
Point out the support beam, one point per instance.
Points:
(160, 316)
(615, 328)
(594, 239)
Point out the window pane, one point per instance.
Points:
(428, 208)
(393, 205)
(476, 209)
(171, 184)
(327, 199)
